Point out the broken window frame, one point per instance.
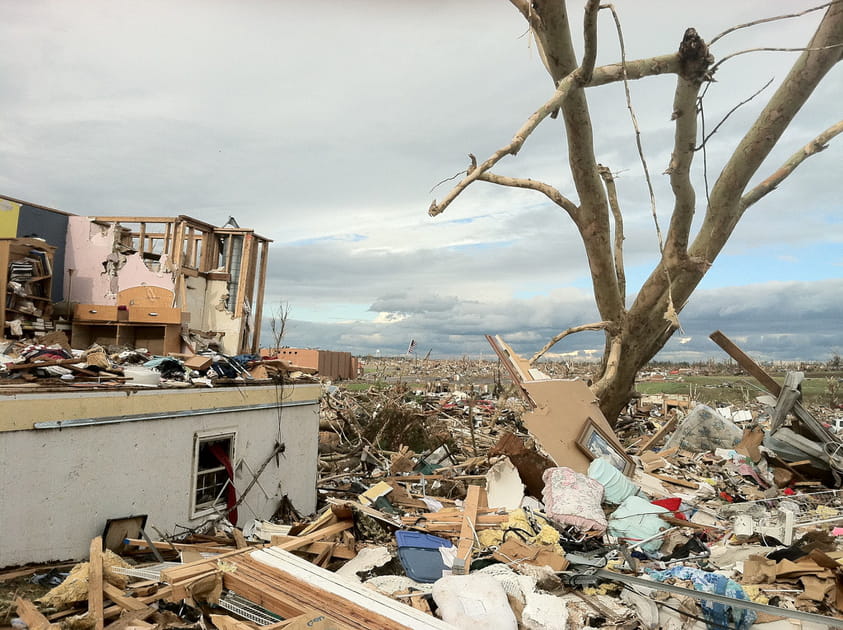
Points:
(218, 503)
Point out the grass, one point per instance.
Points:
(733, 389)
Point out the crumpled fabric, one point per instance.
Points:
(717, 615)
(572, 498)
(703, 429)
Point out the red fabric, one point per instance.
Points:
(671, 503)
(231, 492)
(789, 491)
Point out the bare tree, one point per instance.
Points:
(635, 332)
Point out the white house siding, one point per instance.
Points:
(59, 486)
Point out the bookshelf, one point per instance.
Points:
(26, 283)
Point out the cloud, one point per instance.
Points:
(324, 127)
(786, 321)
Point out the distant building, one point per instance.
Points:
(333, 365)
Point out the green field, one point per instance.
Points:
(741, 389)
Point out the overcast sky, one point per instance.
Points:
(324, 125)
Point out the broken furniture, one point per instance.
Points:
(144, 317)
(26, 281)
(216, 274)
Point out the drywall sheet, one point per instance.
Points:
(563, 408)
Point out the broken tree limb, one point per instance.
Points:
(816, 145)
(601, 76)
(570, 331)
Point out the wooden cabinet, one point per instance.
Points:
(26, 284)
(156, 329)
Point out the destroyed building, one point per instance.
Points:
(84, 448)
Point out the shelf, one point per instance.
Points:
(27, 313)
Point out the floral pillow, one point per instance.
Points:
(573, 499)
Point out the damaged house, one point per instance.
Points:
(77, 454)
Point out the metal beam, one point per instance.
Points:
(833, 622)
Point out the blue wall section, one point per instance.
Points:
(52, 227)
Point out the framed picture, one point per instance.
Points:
(595, 443)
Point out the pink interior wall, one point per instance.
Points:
(88, 248)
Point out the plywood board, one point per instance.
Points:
(562, 410)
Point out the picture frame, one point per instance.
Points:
(594, 442)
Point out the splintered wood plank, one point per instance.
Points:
(476, 499)
(31, 616)
(130, 618)
(118, 597)
(239, 539)
(658, 435)
(746, 362)
(317, 548)
(319, 534)
(676, 482)
(224, 622)
(95, 608)
(283, 577)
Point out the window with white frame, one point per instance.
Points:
(210, 475)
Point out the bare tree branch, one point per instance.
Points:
(602, 76)
(752, 50)
(510, 149)
(617, 250)
(695, 60)
(525, 7)
(730, 112)
(635, 120)
(725, 207)
(816, 145)
(590, 39)
(546, 189)
(769, 19)
(565, 333)
(453, 177)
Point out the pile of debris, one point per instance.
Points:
(530, 512)
(51, 362)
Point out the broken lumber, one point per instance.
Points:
(285, 582)
(31, 616)
(476, 499)
(95, 607)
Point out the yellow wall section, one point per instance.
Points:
(9, 213)
(21, 411)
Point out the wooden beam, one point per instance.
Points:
(476, 499)
(11, 367)
(658, 435)
(131, 617)
(31, 616)
(303, 541)
(676, 482)
(245, 258)
(95, 608)
(337, 551)
(746, 362)
(121, 599)
(258, 307)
